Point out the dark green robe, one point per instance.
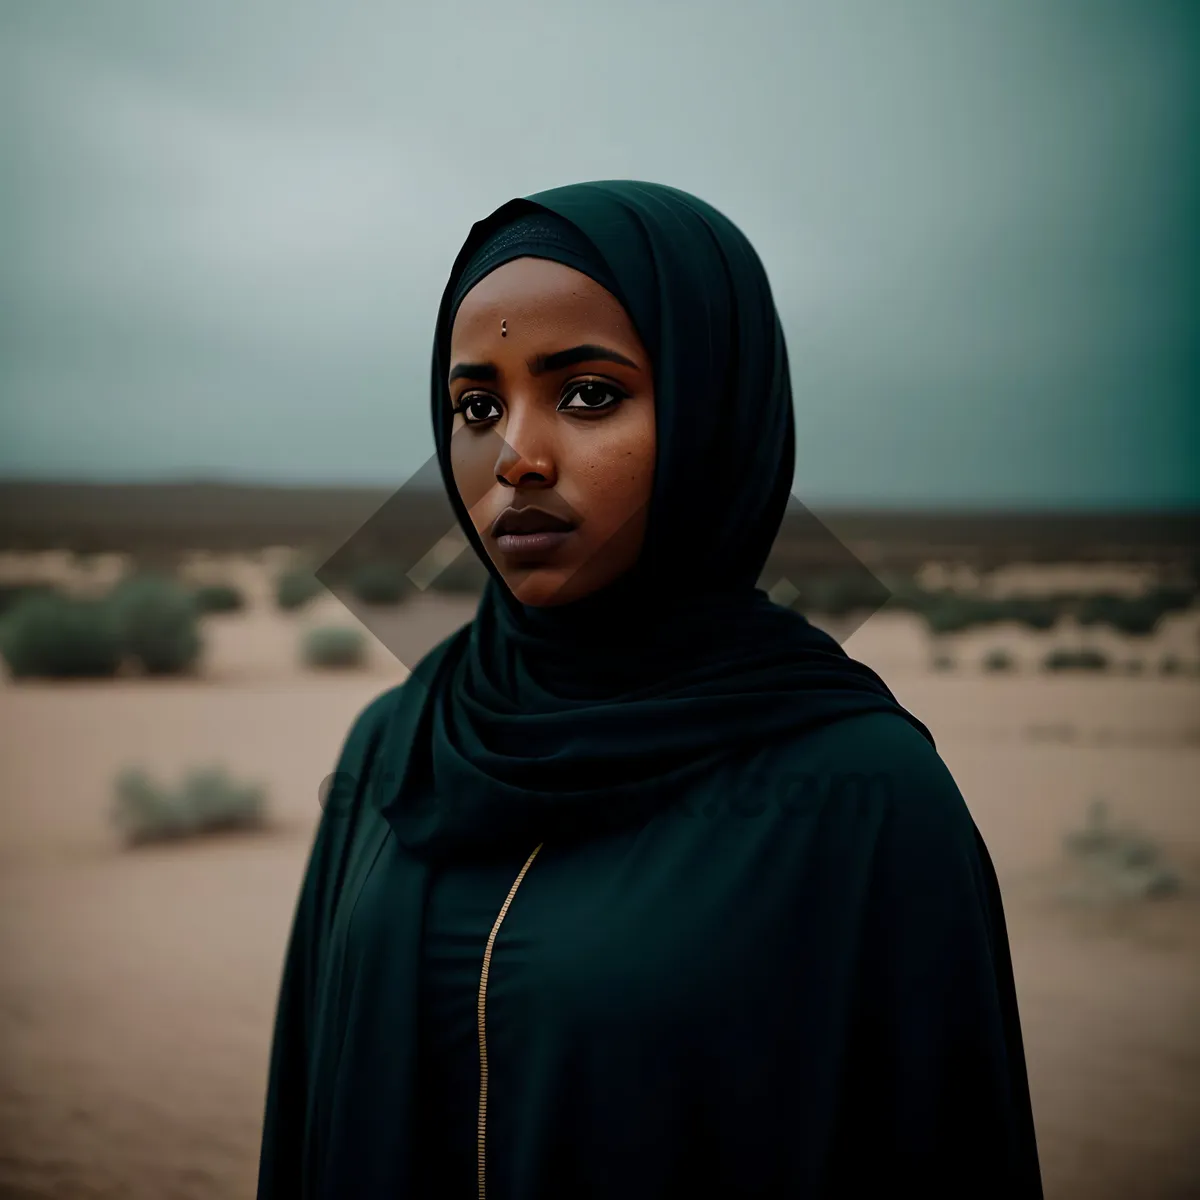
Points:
(792, 980)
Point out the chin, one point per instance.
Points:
(541, 587)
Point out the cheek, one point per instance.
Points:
(618, 471)
(473, 456)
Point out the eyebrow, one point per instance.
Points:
(540, 364)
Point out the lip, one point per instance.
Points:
(532, 544)
(529, 520)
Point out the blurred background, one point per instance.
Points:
(225, 231)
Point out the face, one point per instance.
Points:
(553, 437)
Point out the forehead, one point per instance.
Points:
(538, 294)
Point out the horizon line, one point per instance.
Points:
(928, 504)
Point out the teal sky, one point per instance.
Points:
(225, 227)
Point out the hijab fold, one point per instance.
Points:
(556, 722)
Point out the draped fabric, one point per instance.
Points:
(816, 1002)
(556, 721)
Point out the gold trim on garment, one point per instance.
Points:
(483, 979)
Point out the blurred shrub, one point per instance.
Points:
(465, 575)
(837, 594)
(1095, 836)
(943, 662)
(998, 660)
(1098, 608)
(334, 646)
(906, 594)
(1136, 616)
(295, 588)
(157, 622)
(950, 614)
(208, 801)
(48, 634)
(947, 611)
(990, 611)
(1174, 597)
(1034, 612)
(12, 593)
(1118, 864)
(218, 598)
(1170, 664)
(1075, 660)
(379, 583)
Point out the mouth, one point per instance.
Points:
(530, 531)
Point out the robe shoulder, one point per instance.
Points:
(285, 1157)
(392, 717)
(350, 798)
(918, 860)
(935, 1079)
(881, 766)
(367, 729)
(879, 742)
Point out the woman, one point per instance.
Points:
(639, 886)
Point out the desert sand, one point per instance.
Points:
(138, 988)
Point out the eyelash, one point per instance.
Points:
(619, 394)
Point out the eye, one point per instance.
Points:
(596, 395)
(477, 404)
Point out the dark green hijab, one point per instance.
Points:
(551, 723)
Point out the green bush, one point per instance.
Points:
(218, 598)
(1170, 664)
(208, 801)
(1117, 863)
(1096, 836)
(12, 593)
(989, 611)
(946, 611)
(950, 614)
(837, 594)
(906, 595)
(1035, 612)
(1098, 609)
(1169, 598)
(379, 583)
(1136, 616)
(51, 635)
(998, 660)
(295, 588)
(1075, 660)
(465, 575)
(157, 622)
(334, 647)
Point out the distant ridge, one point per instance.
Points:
(156, 518)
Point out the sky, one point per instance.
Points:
(225, 227)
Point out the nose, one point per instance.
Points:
(525, 460)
